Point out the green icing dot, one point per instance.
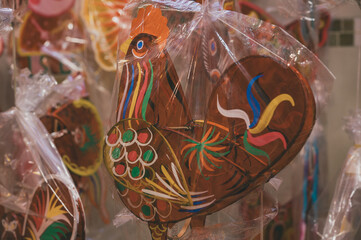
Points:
(127, 136)
(146, 210)
(148, 156)
(135, 172)
(116, 153)
(147, 174)
(120, 187)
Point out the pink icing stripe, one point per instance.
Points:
(266, 138)
(142, 91)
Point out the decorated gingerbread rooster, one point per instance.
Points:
(170, 165)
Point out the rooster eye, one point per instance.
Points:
(212, 47)
(140, 44)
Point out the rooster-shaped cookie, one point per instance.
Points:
(52, 213)
(170, 165)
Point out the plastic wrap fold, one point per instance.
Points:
(343, 220)
(38, 199)
(208, 105)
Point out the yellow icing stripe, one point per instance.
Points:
(176, 162)
(269, 111)
(160, 188)
(136, 91)
(54, 210)
(170, 180)
(89, 170)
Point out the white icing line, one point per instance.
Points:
(198, 206)
(197, 193)
(233, 113)
(174, 170)
(167, 186)
(157, 194)
(201, 198)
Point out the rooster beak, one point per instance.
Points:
(125, 46)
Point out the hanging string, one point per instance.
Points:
(358, 78)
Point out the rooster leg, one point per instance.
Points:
(198, 221)
(158, 230)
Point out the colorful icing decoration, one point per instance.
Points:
(49, 27)
(169, 165)
(105, 19)
(11, 224)
(77, 132)
(76, 129)
(53, 213)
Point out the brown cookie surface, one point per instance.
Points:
(77, 132)
(54, 213)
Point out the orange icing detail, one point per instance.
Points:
(151, 21)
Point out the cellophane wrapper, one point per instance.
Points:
(38, 198)
(67, 103)
(7, 95)
(300, 9)
(343, 219)
(196, 49)
(48, 37)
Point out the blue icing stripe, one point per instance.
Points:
(252, 101)
(190, 211)
(198, 203)
(129, 93)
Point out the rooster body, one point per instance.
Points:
(168, 163)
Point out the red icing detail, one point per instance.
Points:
(132, 156)
(142, 137)
(112, 138)
(266, 139)
(120, 169)
(35, 1)
(133, 197)
(1, 45)
(161, 205)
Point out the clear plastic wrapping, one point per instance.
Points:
(314, 182)
(302, 9)
(309, 26)
(6, 95)
(38, 199)
(6, 16)
(47, 30)
(105, 21)
(343, 220)
(76, 129)
(208, 105)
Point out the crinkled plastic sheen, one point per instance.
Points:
(209, 104)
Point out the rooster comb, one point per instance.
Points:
(151, 21)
